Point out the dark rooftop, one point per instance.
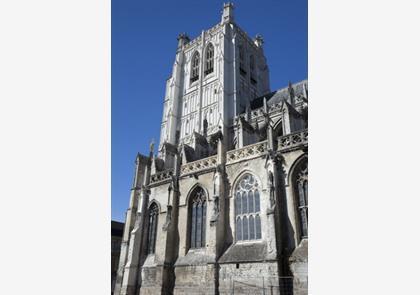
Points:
(278, 95)
(117, 228)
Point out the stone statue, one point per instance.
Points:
(216, 197)
(168, 218)
(271, 190)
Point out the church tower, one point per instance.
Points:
(223, 207)
(214, 77)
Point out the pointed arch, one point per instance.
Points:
(252, 68)
(191, 190)
(278, 128)
(209, 65)
(195, 67)
(247, 208)
(299, 181)
(242, 60)
(197, 217)
(239, 176)
(152, 227)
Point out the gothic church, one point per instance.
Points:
(223, 207)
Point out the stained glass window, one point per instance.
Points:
(198, 218)
(301, 189)
(153, 219)
(247, 209)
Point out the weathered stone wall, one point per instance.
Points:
(195, 279)
(299, 268)
(151, 280)
(248, 278)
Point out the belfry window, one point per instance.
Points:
(197, 208)
(300, 182)
(242, 60)
(195, 67)
(252, 69)
(247, 209)
(153, 219)
(209, 59)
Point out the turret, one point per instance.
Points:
(182, 40)
(227, 14)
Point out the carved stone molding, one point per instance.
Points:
(160, 177)
(200, 165)
(246, 153)
(293, 140)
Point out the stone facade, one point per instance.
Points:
(229, 183)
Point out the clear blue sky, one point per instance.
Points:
(143, 50)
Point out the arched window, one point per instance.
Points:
(247, 209)
(242, 60)
(153, 220)
(252, 69)
(195, 67)
(197, 208)
(300, 183)
(209, 59)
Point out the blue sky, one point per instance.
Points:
(143, 48)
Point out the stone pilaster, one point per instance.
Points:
(129, 283)
(130, 275)
(139, 173)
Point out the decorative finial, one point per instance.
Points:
(259, 41)
(265, 104)
(152, 145)
(182, 39)
(291, 90)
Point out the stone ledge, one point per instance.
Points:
(246, 252)
(195, 257)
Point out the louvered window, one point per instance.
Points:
(209, 59)
(195, 67)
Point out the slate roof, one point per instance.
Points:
(278, 95)
(117, 228)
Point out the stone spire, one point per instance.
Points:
(152, 148)
(291, 92)
(227, 14)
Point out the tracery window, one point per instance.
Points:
(209, 59)
(301, 191)
(153, 220)
(247, 209)
(242, 60)
(195, 67)
(198, 208)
